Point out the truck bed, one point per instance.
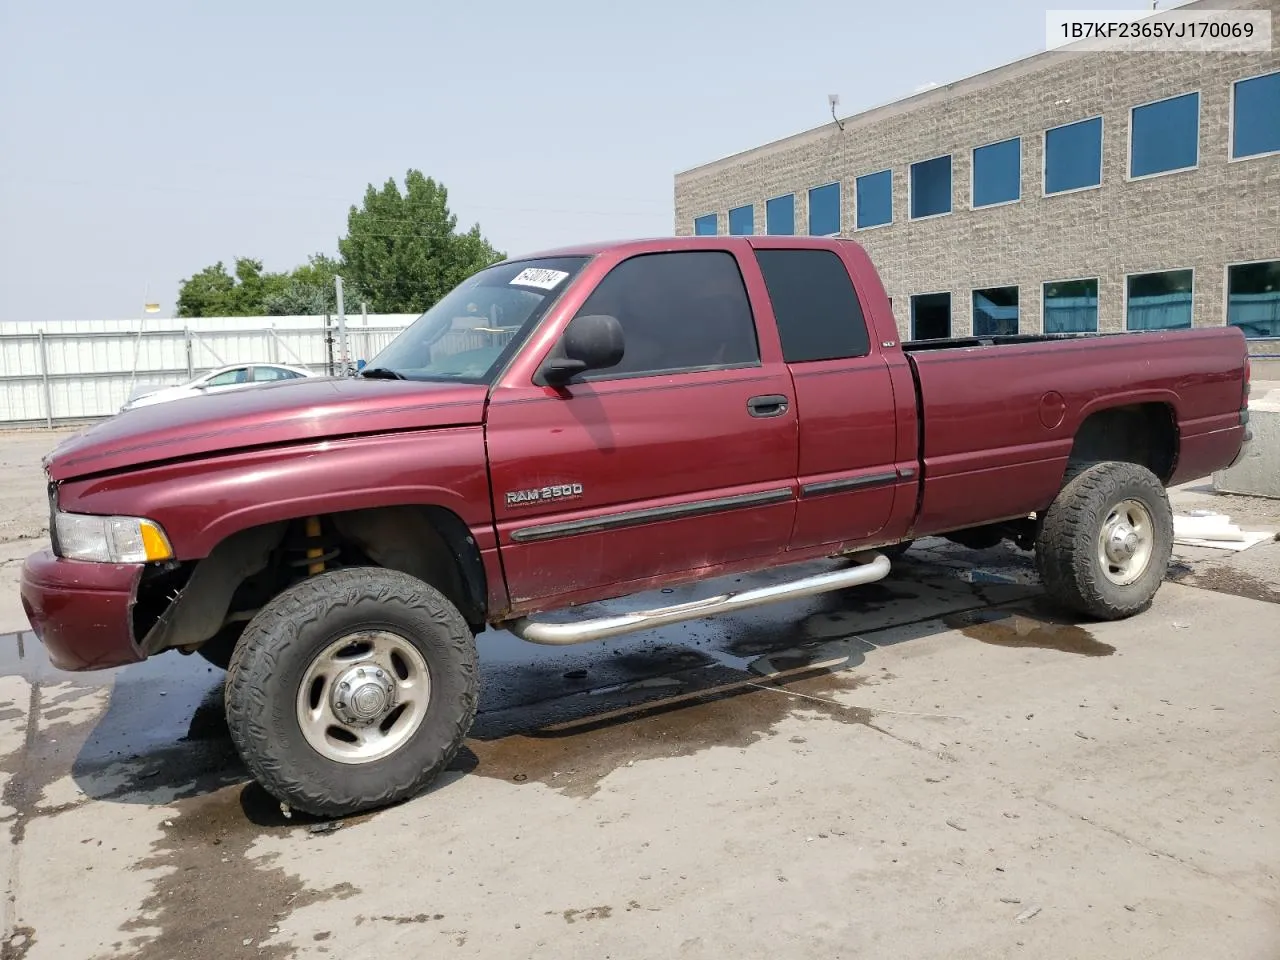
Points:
(955, 343)
(1034, 392)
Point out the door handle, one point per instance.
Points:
(771, 405)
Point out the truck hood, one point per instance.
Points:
(292, 411)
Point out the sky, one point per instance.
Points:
(143, 140)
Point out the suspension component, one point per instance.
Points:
(315, 553)
(313, 550)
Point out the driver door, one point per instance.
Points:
(679, 459)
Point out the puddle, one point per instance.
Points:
(1225, 579)
(39, 762)
(215, 900)
(147, 733)
(23, 655)
(1011, 628)
(20, 941)
(14, 647)
(574, 757)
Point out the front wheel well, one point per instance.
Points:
(195, 602)
(430, 543)
(1141, 433)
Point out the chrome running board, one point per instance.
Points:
(869, 568)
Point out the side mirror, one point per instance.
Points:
(589, 343)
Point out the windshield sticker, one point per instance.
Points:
(539, 277)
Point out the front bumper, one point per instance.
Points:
(82, 612)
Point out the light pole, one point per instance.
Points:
(343, 358)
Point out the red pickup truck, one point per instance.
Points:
(587, 424)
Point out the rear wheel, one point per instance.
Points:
(1104, 545)
(352, 690)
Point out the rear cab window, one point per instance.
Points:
(814, 304)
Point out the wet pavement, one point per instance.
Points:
(892, 763)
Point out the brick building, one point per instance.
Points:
(1066, 191)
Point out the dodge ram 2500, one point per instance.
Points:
(588, 424)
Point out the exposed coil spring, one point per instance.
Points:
(305, 561)
(312, 550)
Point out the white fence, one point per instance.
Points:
(73, 371)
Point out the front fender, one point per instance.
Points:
(201, 502)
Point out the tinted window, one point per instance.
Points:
(1255, 116)
(1071, 306)
(780, 215)
(678, 311)
(1253, 298)
(995, 312)
(874, 199)
(818, 314)
(931, 187)
(997, 173)
(824, 210)
(707, 226)
(1073, 156)
(742, 221)
(931, 316)
(1159, 301)
(1165, 136)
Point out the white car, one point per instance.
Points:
(235, 377)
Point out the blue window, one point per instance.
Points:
(1165, 136)
(874, 193)
(780, 215)
(707, 226)
(1073, 156)
(1159, 301)
(1255, 116)
(931, 316)
(930, 187)
(742, 221)
(1071, 306)
(995, 312)
(1253, 298)
(997, 173)
(824, 210)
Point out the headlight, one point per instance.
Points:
(110, 539)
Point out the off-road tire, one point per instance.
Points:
(1067, 543)
(268, 664)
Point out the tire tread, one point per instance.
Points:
(1065, 546)
(278, 629)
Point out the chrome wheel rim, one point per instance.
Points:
(1126, 542)
(363, 696)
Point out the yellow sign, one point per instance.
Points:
(152, 308)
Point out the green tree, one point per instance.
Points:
(401, 254)
(404, 250)
(205, 294)
(310, 290)
(215, 293)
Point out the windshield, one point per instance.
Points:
(469, 334)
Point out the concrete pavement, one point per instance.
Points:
(1114, 786)
(933, 766)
